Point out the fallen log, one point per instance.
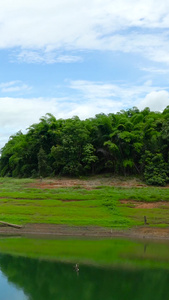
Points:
(11, 225)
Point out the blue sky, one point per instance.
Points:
(81, 57)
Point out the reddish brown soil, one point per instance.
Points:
(87, 184)
(136, 204)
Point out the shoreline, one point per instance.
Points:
(55, 231)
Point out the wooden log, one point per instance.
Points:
(11, 225)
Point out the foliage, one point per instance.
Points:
(42, 163)
(155, 171)
(129, 142)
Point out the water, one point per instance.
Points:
(9, 291)
(24, 278)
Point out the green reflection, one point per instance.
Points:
(110, 252)
(46, 280)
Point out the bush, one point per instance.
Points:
(155, 170)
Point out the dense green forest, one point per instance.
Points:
(129, 142)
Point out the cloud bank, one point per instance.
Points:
(49, 32)
(127, 26)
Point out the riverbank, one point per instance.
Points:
(54, 231)
(96, 206)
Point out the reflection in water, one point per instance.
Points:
(8, 291)
(145, 248)
(46, 280)
(76, 267)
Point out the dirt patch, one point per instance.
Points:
(147, 205)
(149, 232)
(87, 184)
(53, 230)
(59, 184)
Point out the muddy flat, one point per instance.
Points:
(53, 230)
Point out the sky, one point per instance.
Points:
(81, 58)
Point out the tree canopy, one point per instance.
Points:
(129, 142)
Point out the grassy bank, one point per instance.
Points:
(23, 201)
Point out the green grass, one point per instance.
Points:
(105, 252)
(20, 203)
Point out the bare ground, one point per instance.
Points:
(148, 205)
(53, 230)
(87, 184)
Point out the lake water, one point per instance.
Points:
(23, 278)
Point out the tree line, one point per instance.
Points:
(129, 142)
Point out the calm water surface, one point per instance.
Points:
(23, 278)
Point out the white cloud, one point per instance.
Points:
(114, 97)
(155, 70)
(14, 86)
(125, 93)
(156, 100)
(19, 113)
(35, 56)
(127, 26)
(68, 59)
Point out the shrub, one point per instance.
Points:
(155, 170)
